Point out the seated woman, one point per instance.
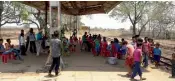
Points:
(66, 46)
(71, 45)
(123, 49)
(110, 48)
(97, 46)
(10, 48)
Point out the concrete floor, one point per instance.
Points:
(81, 66)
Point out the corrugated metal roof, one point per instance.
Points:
(77, 7)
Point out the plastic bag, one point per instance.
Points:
(112, 60)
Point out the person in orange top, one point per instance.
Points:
(129, 59)
(11, 48)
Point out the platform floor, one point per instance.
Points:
(81, 66)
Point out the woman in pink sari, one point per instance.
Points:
(129, 58)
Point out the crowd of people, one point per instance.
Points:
(135, 53)
(30, 39)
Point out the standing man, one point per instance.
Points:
(32, 40)
(39, 37)
(22, 43)
(55, 53)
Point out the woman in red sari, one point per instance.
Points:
(104, 45)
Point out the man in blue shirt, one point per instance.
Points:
(157, 54)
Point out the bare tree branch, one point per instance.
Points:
(34, 23)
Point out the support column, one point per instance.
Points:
(76, 25)
(46, 11)
(55, 23)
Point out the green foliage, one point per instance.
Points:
(23, 11)
(142, 12)
(13, 12)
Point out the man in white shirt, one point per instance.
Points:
(22, 43)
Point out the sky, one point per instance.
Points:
(97, 20)
(104, 21)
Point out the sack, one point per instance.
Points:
(112, 60)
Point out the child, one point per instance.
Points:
(93, 48)
(97, 46)
(173, 65)
(133, 41)
(157, 54)
(145, 49)
(129, 59)
(55, 54)
(151, 42)
(122, 40)
(137, 60)
(71, 44)
(80, 41)
(75, 42)
(2, 49)
(123, 49)
(65, 46)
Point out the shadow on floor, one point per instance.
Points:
(85, 61)
(31, 63)
(78, 61)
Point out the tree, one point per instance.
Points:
(10, 14)
(129, 10)
(138, 12)
(165, 21)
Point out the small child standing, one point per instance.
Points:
(157, 54)
(151, 41)
(71, 44)
(97, 46)
(145, 49)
